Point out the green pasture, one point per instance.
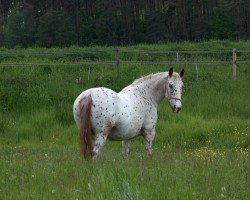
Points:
(200, 153)
(57, 172)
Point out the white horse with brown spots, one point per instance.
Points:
(101, 113)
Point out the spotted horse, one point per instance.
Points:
(100, 113)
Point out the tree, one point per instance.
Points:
(87, 34)
(221, 25)
(115, 22)
(1, 32)
(54, 29)
(20, 27)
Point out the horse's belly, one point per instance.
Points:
(123, 134)
(126, 129)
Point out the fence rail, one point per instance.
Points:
(118, 61)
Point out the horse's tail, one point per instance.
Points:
(85, 126)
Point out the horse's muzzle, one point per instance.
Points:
(176, 109)
(175, 104)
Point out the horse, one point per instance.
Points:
(101, 113)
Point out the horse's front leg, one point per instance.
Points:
(148, 135)
(125, 148)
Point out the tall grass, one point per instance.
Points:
(58, 173)
(200, 153)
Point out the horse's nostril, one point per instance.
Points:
(178, 109)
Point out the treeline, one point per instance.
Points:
(48, 23)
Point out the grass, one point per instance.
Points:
(58, 173)
(201, 153)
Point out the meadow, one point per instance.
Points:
(200, 153)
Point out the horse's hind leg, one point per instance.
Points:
(125, 146)
(101, 135)
(99, 142)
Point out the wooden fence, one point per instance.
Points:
(117, 61)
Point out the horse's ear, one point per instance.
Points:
(182, 73)
(170, 73)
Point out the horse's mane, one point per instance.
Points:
(151, 78)
(147, 77)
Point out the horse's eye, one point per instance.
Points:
(171, 86)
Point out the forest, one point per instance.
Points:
(62, 23)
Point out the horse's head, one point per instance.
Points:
(174, 89)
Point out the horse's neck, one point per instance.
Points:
(157, 87)
(151, 87)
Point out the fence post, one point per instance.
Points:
(197, 75)
(117, 63)
(234, 63)
(177, 58)
(89, 74)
